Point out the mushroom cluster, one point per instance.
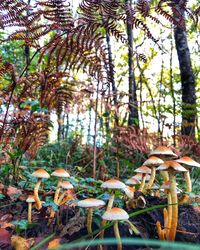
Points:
(168, 165)
(58, 198)
(162, 160)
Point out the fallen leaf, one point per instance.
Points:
(19, 243)
(6, 218)
(54, 243)
(13, 192)
(4, 238)
(7, 225)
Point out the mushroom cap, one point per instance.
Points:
(153, 161)
(138, 176)
(60, 172)
(66, 185)
(188, 161)
(163, 150)
(129, 191)
(115, 213)
(113, 184)
(167, 165)
(30, 199)
(143, 170)
(91, 202)
(40, 173)
(132, 181)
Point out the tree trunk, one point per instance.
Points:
(133, 118)
(111, 76)
(187, 78)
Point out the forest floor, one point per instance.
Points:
(69, 224)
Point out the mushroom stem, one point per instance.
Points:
(174, 221)
(111, 200)
(164, 175)
(56, 195)
(89, 220)
(117, 235)
(169, 213)
(160, 231)
(152, 178)
(188, 187)
(188, 181)
(166, 218)
(61, 197)
(142, 183)
(36, 196)
(29, 212)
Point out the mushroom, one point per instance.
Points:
(116, 214)
(60, 173)
(90, 203)
(144, 170)
(164, 153)
(64, 185)
(30, 200)
(40, 173)
(112, 184)
(138, 176)
(172, 167)
(132, 181)
(188, 163)
(152, 163)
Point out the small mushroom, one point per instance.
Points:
(64, 185)
(144, 171)
(188, 163)
(40, 174)
(116, 214)
(60, 173)
(112, 184)
(30, 200)
(90, 203)
(152, 163)
(132, 181)
(164, 153)
(138, 176)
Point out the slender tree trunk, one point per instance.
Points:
(172, 91)
(111, 77)
(133, 118)
(187, 78)
(59, 134)
(95, 135)
(67, 127)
